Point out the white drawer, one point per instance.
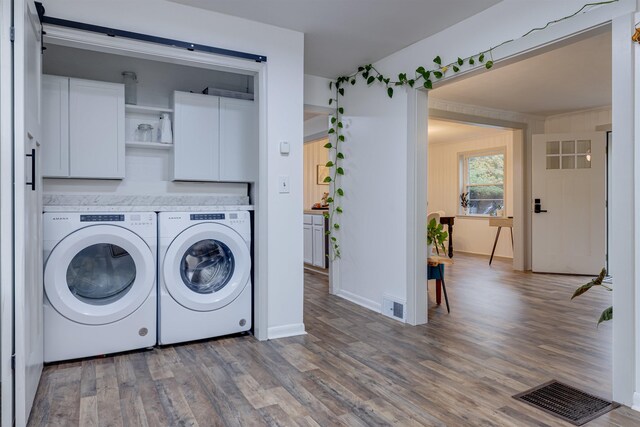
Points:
(318, 219)
(308, 219)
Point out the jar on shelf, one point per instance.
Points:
(130, 80)
(144, 132)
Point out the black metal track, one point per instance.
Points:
(112, 32)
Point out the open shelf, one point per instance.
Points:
(132, 108)
(150, 145)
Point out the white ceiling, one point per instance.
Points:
(340, 35)
(570, 78)
(442, 131)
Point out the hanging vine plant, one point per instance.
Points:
(422, 77)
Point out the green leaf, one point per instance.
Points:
(437, 74)
(412, 82)
(420, 70)
(329, 164)
(333, 239)
(341, 138)
(472, 61)
(340, 191)
(329, 200)
(390, 92)
(340, 171)
(370, 80)
(328, 145)
(489, 64)
(365, 74)
(455, 69)
(606, 315)
(333, 120)
(330, 85)
(360, 69)
(341, 91)
(331, 101)
(327, 233)
(341, 110)
(331, 131)
(327, 179)
(339, 209)
(340, 156)
(353, 81)
(340, 125)
(481, 57)
(380, 78)
(437, 60)
(460, 61)
(428, 84)
(336, 226)
(582, 289)
(387, 80)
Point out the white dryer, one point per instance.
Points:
(204, 275)
(100, 283)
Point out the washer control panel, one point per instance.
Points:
(101, 218)
(208, 217)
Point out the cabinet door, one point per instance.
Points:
(196, 137)
(55, 126)
(96, 129)
(318, 246)
(308, 244)
(238, 140)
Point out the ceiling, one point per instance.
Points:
(443, 131)
(571, 78)
(340, 35)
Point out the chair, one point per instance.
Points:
(435, 271)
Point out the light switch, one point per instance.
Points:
(283, 184)
(285, 148)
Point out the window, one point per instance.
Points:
(483, 176)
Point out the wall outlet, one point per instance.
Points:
(283, 184)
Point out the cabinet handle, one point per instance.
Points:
(33, 169)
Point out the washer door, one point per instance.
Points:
(99, 274)
(206, 266)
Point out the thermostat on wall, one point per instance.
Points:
(284, 147)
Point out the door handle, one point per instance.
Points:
(537, 207)
(33, 169)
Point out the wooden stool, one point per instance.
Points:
(500, 222)
(440, 262)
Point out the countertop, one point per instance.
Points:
(143, 203)
(315, 211)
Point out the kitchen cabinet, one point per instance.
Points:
(315, 240)
(215, 138)
(83, 133)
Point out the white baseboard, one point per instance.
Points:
(488, 255)
(636, 401)
(361, 301)
(286, 331)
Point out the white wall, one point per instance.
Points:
(284, 88)
(314, 154)
(578, 121)
(316, 127)
(472, 235)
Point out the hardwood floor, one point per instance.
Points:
(507, 332)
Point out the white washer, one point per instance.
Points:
(100, 283)
(204, 275)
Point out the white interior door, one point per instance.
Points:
(569, 219)
(28, 287)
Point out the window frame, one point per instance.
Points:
(463, 178)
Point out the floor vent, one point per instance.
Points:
(566, 402)
(394, 308)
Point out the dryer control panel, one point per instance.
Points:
(101, 218)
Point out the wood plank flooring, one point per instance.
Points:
(507, 332)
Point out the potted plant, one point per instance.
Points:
(607, 314)
(436, 237)
(464, 202)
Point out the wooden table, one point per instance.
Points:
(500, 222)
(441, 287)
(449, 221)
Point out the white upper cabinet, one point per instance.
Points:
(215, 139)
(96, 129)
(83, 134)
(196, 137)
(55, 126)
(238, 140)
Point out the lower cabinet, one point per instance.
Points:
(315, 246)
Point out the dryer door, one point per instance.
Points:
(99, 274)
(207, 266)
